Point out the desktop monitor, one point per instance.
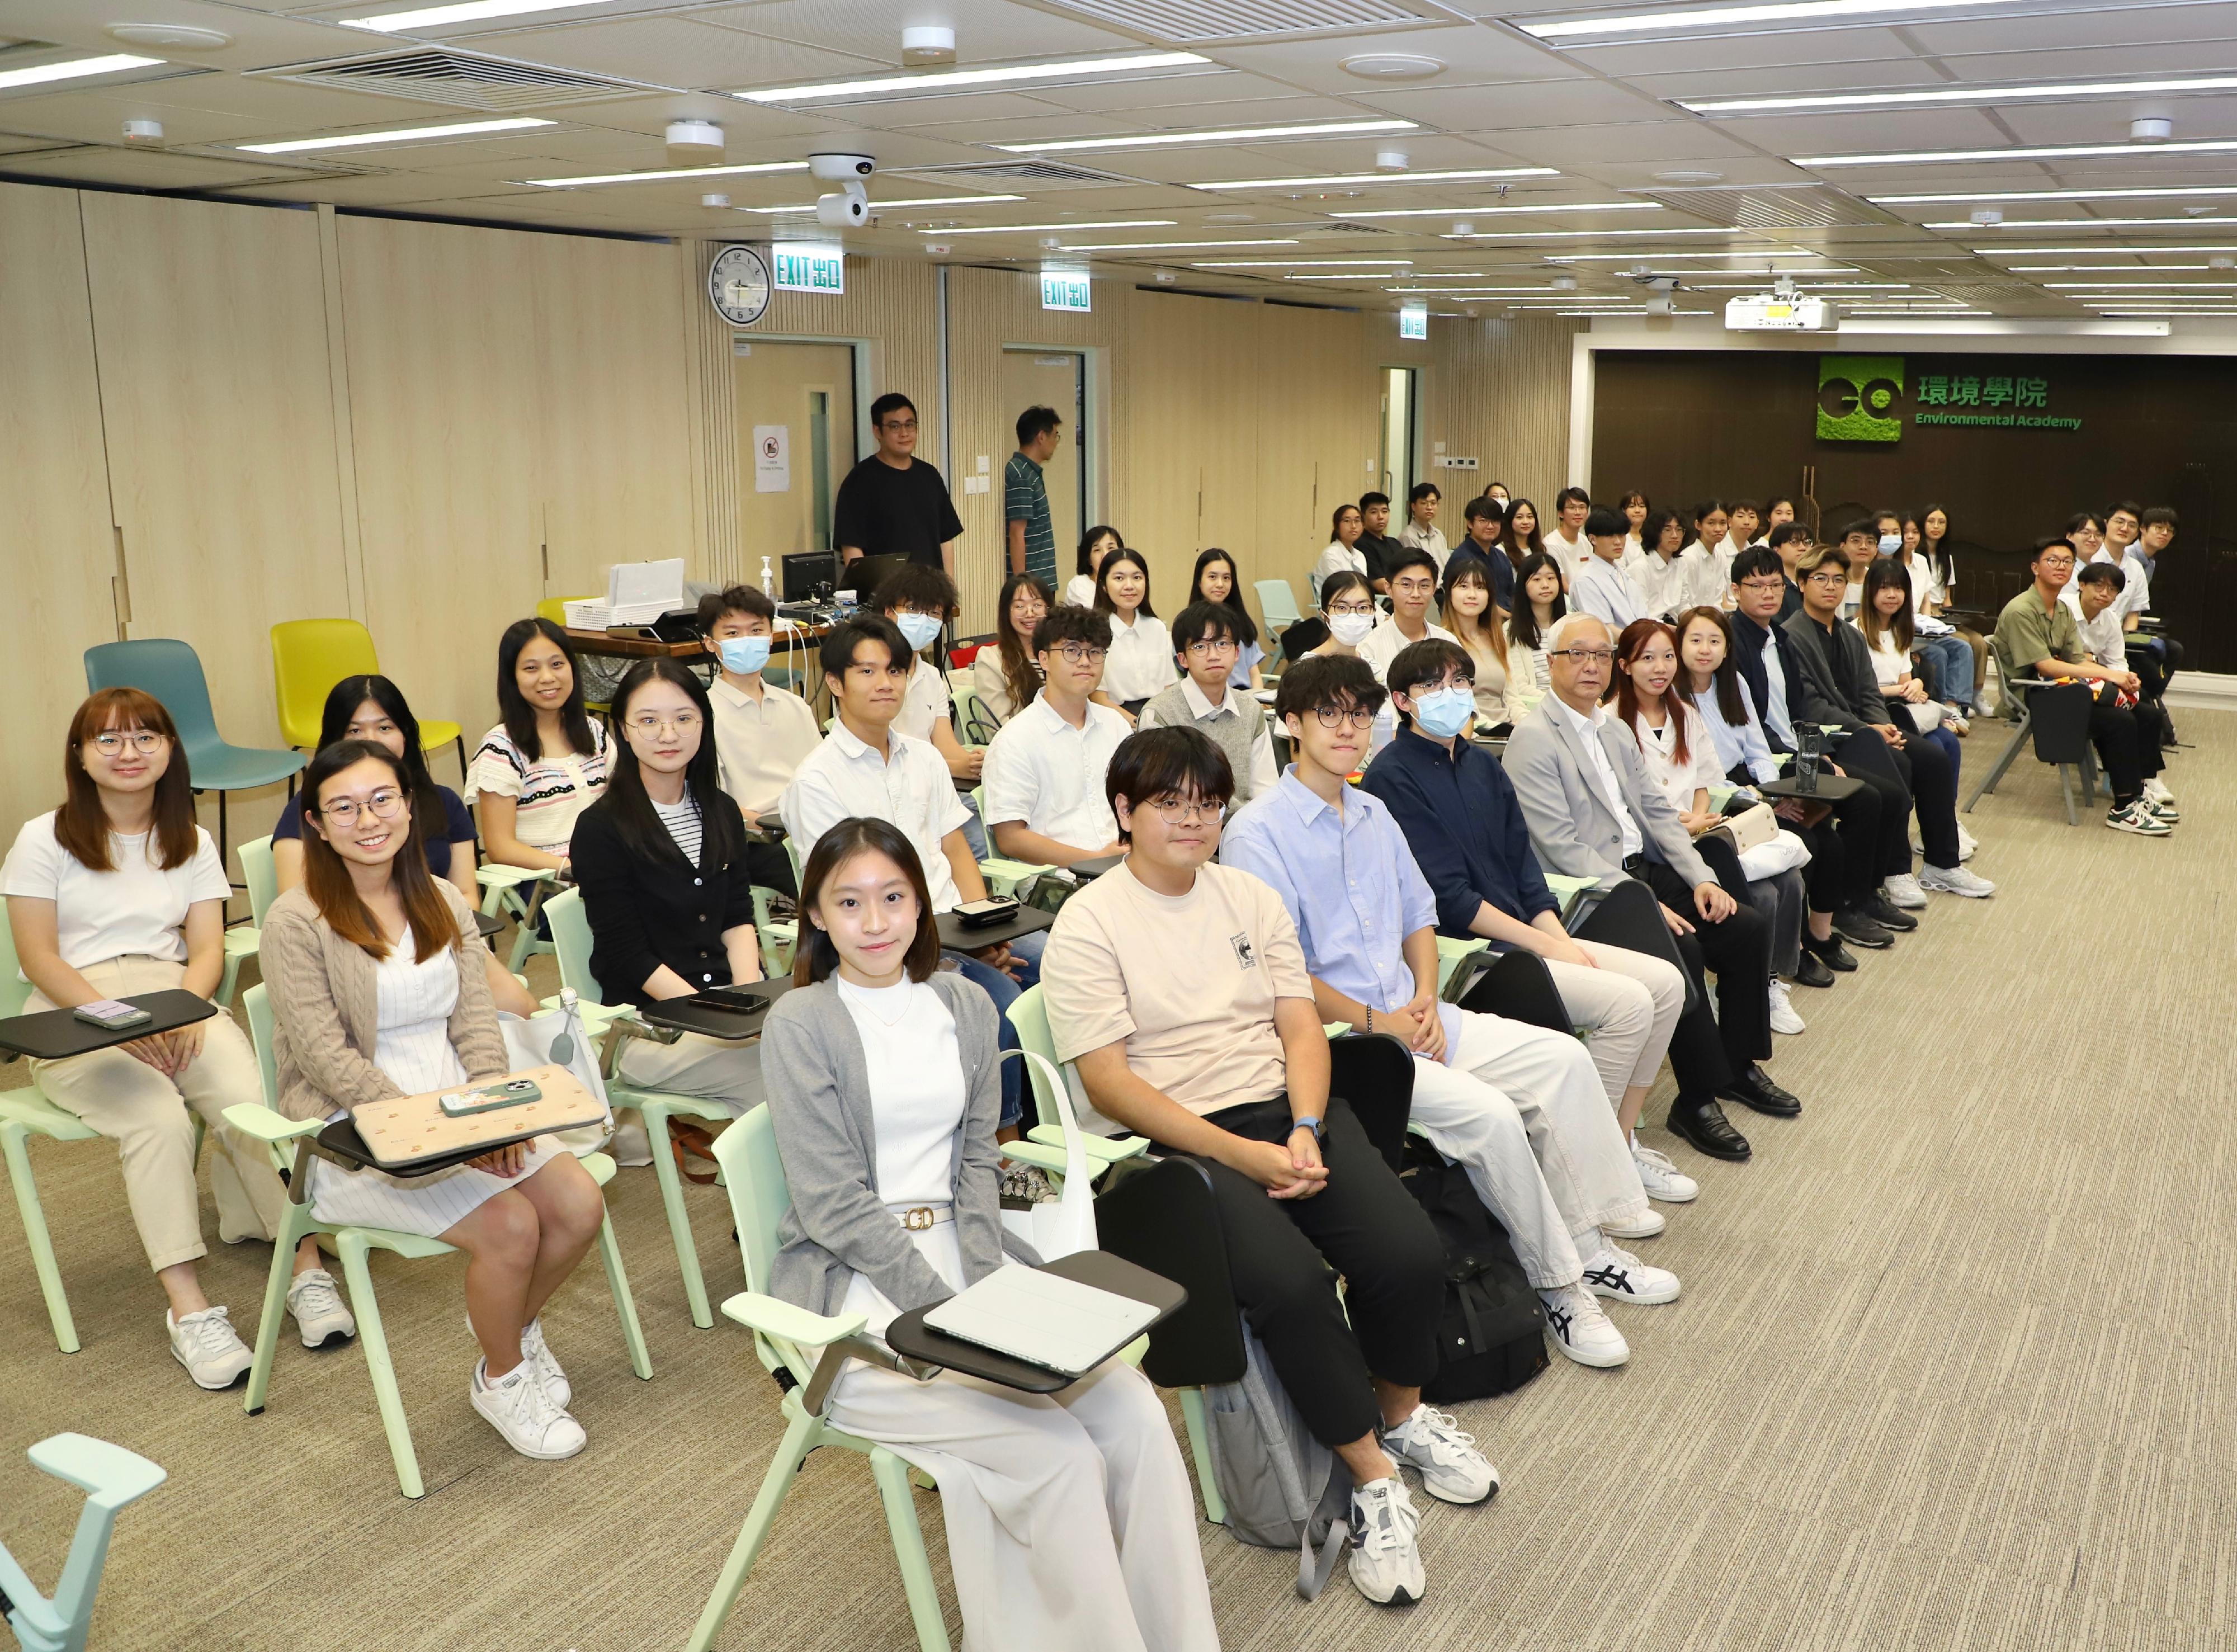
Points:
(805, 570)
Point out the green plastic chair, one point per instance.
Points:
(111, 1476)
(354, 1245)
(309, 656)
(1277, 605)
(1451, 955)
(515, 892)
(570, 935)
(243, 940)
(778, 939)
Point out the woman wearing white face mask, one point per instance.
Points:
(1348, 606)
(762, 733)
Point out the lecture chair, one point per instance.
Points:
(2057, 716)
(309, 656)
(111, 1477)
(354, 1245)
(1631, 917)
(1277, 605)
(171, 672)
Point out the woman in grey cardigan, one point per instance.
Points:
(1070, 1522)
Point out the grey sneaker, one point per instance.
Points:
(1385, 1561)
(206, 1345)
(321, 1316)
(1955, 880)
(1903, 891)
(1453, 1470)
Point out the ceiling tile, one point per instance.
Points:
(1548, 105)
(677, 51)
(986, 31)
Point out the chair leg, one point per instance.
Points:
(679, 1219)
(375, 1339)
(232, 975)
(902, 1525)
(610, 1252)
(34, 1215)
(523, 941)
(461, 743)
(292, 1228)
(2011, 750)
(1199, 1437)
(2066, 790)
(799, 1439)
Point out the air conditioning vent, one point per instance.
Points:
(1191, 22)
(462, 80)
(1331, 231)
(1048, 174)
(1804, 206)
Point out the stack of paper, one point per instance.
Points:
(588, 613)
(639, 593)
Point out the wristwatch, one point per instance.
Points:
(1312, 1124)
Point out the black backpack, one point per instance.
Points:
(1491, 1328)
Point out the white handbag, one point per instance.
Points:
(1784, 851)
(1064, 1225)
(557, 1037)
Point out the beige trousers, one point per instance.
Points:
(1631, 1003)
(145, 1112)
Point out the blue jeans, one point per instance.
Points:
(1953, 659)
(1026, 949)
(1948, 741)
(975, 830)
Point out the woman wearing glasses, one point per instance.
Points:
(1006, 676)
(380, 989)
(1348, 606)
(660, 862)
(118, 891)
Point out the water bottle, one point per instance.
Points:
(1808, 743)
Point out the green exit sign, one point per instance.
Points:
(804, 268)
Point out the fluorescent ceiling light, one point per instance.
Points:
(76, 69)
(1031, 230)
(1961, 95)
(1337, 180)
(1486, 212)
(667, 173)
(1596, 234)
(1222, 135)
(2098, 252)
(944, 201)
(1170, 246)
(1302, 264)
(958, 80)
(2123, 286)
(467, 11)
(399, 135)
(1749, 253)
(1815, 287)
(2054, 195)
(1802, 11)
(2018, 152)
(1455, 292)
(2082, 223)
(2104, 269)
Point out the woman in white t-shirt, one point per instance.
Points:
(545, 763)
(1094, 545)
(1140, 662)
(1343, 552)
(119, 892)
(1070, 1521)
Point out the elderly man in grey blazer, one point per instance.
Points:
(1593, 812)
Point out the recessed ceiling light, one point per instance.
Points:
(1342, 179)
(666, 173)
(1035, 229)
(2054, 195)
(2017, 152)
(1169, 246)
(76, 69)
(468, 12)
(1222, 135)
(397, 134)
(2070, 223)
(879, 206)
(1803, 11)
(1689, 175)
(1486, 212)
(1959, 95)
(170, 36)
(1596, 234)
(1392, 65)
(964, 80)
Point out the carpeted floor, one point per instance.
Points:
(1949, 1369)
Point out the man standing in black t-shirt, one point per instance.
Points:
(894, 504)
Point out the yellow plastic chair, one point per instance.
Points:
(309, 656)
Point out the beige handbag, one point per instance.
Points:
(1751, 827)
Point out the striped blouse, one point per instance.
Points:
(550, 791)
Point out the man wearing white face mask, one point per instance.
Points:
(762, 732)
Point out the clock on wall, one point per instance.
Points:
(738, 283)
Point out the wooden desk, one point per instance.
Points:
(617, 647)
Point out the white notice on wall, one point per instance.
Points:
(772, 459)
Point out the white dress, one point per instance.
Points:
(411, 1045)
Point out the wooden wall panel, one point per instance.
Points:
(1318, 413)
(210, 331)
(1498, 388)
(58, 553)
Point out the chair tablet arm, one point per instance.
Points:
(255, 1118)
(493, 875)
(1103, 1150)
(1035, 1153)
(1003, 877)
(773, 1317)
(110, 1475)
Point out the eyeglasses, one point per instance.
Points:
(1029, 611)
(1352, 608)
(146, 742)
(1826, 577)
(652, 722)
(1205, 647)
(383, 805)
(1414, 587)
(899, 426)
(1080, 653)
(1584, 656)
(1334, 717)
(1767, 586)
(1174, 811)
(2048, 562)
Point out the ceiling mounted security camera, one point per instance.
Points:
(848, 207)
(837, 167)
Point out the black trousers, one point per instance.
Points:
(1919, 778)
(2163, 655)
(1366, 1226)
(1844, 848)
(2129, 753)
(1739, 951)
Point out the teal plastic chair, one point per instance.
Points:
(111, 1477)
(1277, 605)
(356, 1245)
(172, 672)
(571, 937)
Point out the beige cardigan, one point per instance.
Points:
(326, 1008)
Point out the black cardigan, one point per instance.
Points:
(650, 910)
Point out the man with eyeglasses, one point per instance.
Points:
(1044, 776)
(1790, 539)
(1519, 1106)
(1413, 582)
(1205, 648)
(893, 503)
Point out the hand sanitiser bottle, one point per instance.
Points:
(768, 580)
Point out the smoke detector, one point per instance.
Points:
(2150, 129)
(1164, 278)
(1392, 65)
(170, 37)
(925, 45)
(692, 142)
(2224, 263)
(1390, 161)
(144, 135)
(714, 201)
(1464, 227)
(1564, 283)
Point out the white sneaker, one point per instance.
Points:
(2138, 817)
(1661, 1179)
(1903, 891)
(2156, 789)
(321, 1315)
(537, 1353)
(1453, 1470)
(518, 1408)
(1617, 1274)
(1956, 880)
(1967, 843)
(1386, 1562)
(204, 1344)
(1582, 1329)
(1957, 721)
(2164, 811)
(1784, 1016)
(1645, 1224)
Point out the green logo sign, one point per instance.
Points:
(1857, 396)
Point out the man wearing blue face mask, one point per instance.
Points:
(762, 733)
(921, 600)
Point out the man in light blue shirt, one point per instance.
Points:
(1522, 1109)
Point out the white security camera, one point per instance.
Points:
(834, 167)
(849, 208)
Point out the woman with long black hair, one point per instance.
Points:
(546, 761)
(372, 708)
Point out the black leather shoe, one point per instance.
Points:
(1811, 971)
(1753, 1088)
(1705, 1127)
(1852, 924)
(1885, 913)
(1831, 953)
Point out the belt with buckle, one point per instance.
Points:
(917, 1218)
(1634, 865)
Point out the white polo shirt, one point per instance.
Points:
(924, 702)
(1042, 772)
(1572, 554)
(760, 744)
(1604, 591)
(843, 778)
(1383, 642)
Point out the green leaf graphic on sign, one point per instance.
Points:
(1856, 397)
